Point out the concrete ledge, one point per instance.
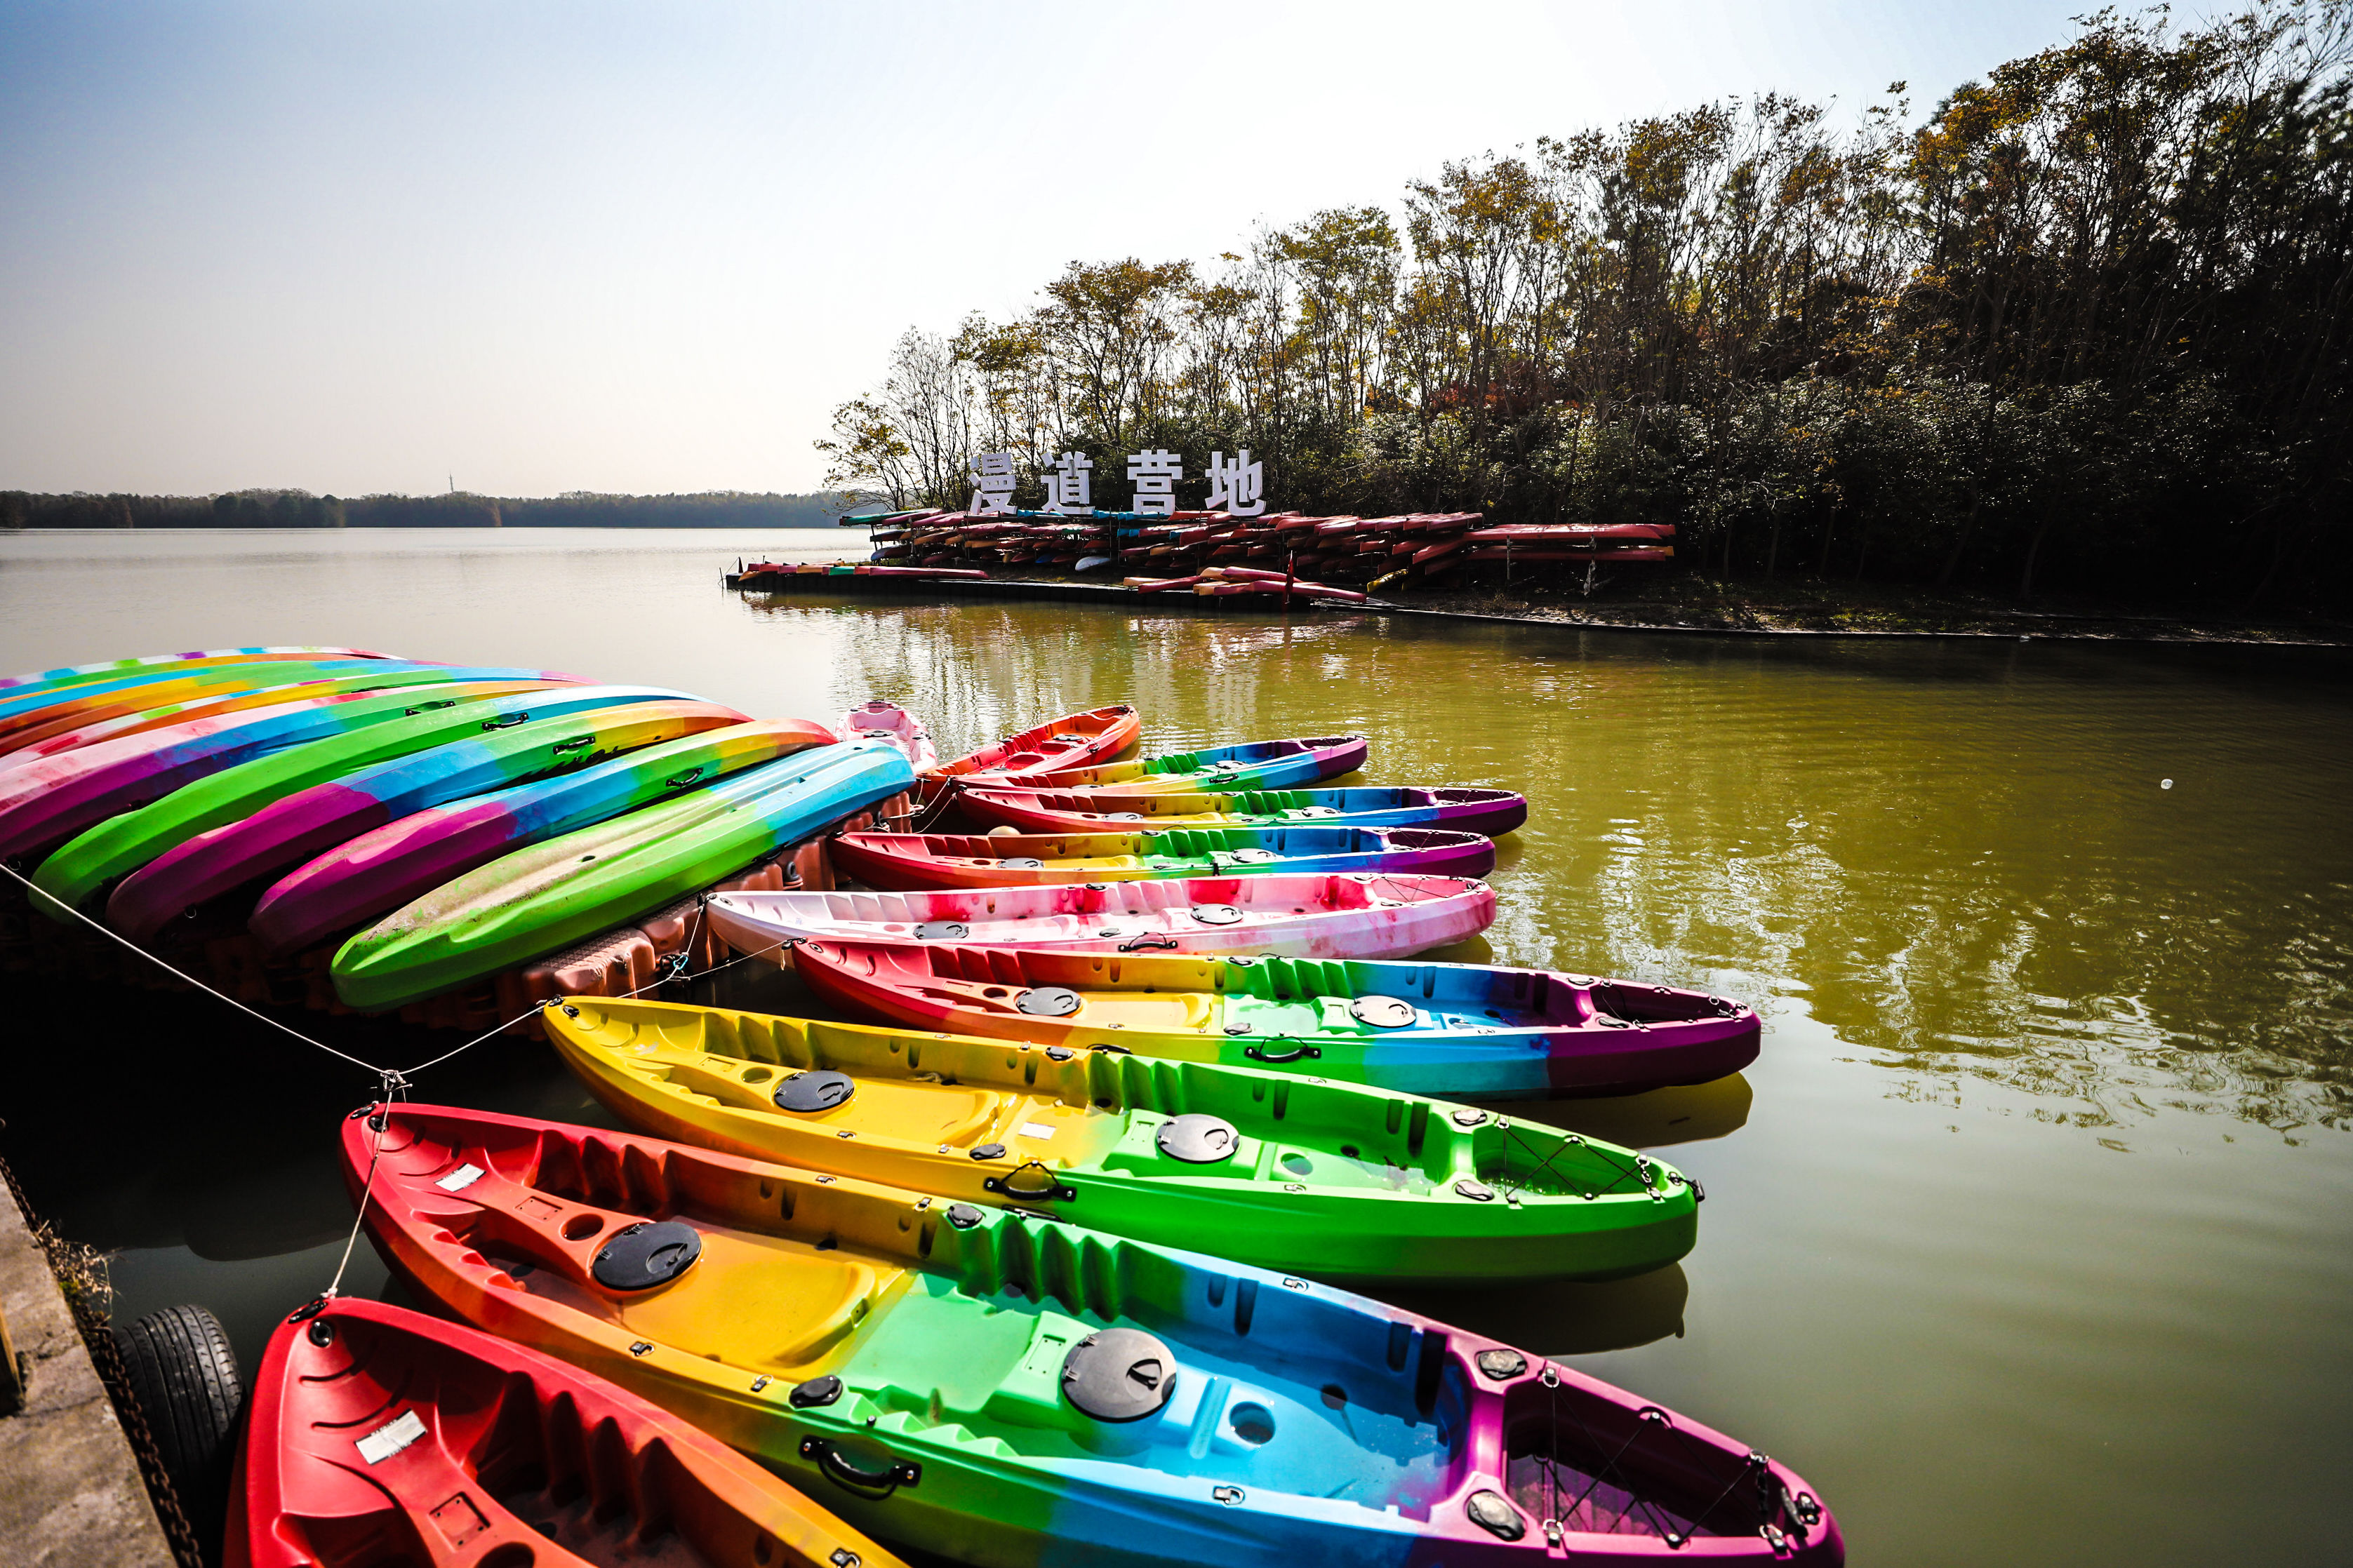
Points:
(70, 1491)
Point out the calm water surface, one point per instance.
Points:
(2028, 1236)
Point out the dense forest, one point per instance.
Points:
(2084, 326)
(300, 509)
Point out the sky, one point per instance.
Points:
(531, 248)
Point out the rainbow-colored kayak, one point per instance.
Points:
(1008, 1389)
(292, 829)
(380, 676)
(122, 845)
(85, 707)
(44, 801)
(1340, 1181)
(1359, 916)
(916, 861)
(79, 674)
(1253, 764)
(377, 1436)
(1425, 1028)
(377, 872)
(1457, 808)
(535, 900)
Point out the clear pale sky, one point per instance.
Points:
(356, 247)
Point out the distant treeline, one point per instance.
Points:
(301, 509)
(2087, 323)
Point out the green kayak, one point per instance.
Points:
(1337, 1179)
(535, 900)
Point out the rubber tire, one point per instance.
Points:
(185, 1375)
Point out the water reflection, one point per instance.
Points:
(1686, 1113)
(1564, 1318)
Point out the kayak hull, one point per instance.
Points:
(1074, 741)
(914, 1362)
(312, 821)
(378, 871)
(1455, 808)
(913, 861)
(1454, 1029)
(538, 899)
(376, 1434)
(1293, 917)
(1253, 764)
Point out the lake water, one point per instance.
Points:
(2029, 1237)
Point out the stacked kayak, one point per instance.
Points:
(50, 800)
(876, 720)
(378, 871)
(1322, 1178)
(378, 1436)
(1455, 808)
(127, 703)
(293, 828)
(1253, 764)
(1074, 741)
(1427, 1028)
(916, 861)
(79, 674)
(1009, 1388)
(1358, 915)
(536, 899)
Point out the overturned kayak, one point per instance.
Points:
(382, 676)
(1010, 1389)
(1426, 1029)
(123, 844)
(1358, 916)
(376, 1435)
(1074, 741)
(1334, 1180)
(46, 802)
(535, 900)
(916, 861)
(380, 870)
(875, 720)
(1455, 808)
(67, 711)
(1253, 764)
(292, 829)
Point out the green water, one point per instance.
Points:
(2029, 1237)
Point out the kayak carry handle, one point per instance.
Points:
(1136, 943)
(878, 1484)
(1272, 1059)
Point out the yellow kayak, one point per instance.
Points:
(1340, 1180)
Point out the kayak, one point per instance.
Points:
(1329, 1179)
(384, 675)
(1074, 741)
(120, 845)
(1253, 764)
(46, 802)
(1298, 917)
(1008, 1389)
(376, 1435)
(85, 707)
(914, 860)
(107, 669)
(875, 720)
(535, 900)
(297, 826)
(1425, 1028)
(1460, 809)
(378, 871)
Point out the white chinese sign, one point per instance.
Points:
(992, 481)
(1155, 475)
(1068, 489)
(1239, 487)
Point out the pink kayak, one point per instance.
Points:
(1359, 916)
(875, 720)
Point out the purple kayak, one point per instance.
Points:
(1458, 808)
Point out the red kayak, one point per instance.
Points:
(1074, 741)
(377, 1436)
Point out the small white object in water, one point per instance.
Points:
(2165, 784)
